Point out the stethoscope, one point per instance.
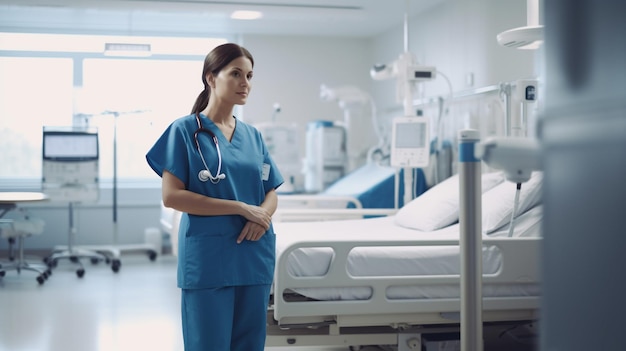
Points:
(205, 174)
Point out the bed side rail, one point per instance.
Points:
(321, 214)
(318, 201)
(298, 208)
(519, 264)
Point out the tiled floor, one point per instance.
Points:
(134, 309)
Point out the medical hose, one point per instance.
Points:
(439, 125)
(515, 205)
(438, 141)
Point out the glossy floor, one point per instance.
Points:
(137, 308)
(134, 309)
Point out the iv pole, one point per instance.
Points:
(407, 74)
(148, 248)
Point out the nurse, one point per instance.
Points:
(216, 170)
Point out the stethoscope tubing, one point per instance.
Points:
(219, 176)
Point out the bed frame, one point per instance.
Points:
(300, 208)
(382, 321)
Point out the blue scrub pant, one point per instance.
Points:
(231, 318)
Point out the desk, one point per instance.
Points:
(8, 202)
(10, 199)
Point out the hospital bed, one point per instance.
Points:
(332, 278)
(375, 282)
(368, 191)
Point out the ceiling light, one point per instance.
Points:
(125, 49)
(246, 15)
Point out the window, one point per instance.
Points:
(33, 92)
(146, 96)
(66, 80)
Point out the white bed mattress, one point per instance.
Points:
(394, 261)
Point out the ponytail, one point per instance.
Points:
(202, 101)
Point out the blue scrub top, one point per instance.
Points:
(209, 255)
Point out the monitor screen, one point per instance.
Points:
(70, 146)
(410, 135)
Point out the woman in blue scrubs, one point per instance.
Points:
(217, 170)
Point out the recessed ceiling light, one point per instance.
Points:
(246, 15)
(125, 49)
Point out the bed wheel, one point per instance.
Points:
(116, 265)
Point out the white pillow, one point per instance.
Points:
(438, 207)
(527, 225)
(497, 203)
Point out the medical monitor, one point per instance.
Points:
(70, 145)
(70, 171)
(409, 142)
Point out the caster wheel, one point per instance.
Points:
(52, 263)
(152, 255)
(2, 273)
(41, 279)
(94, 260)
(74, 259)
(116, 265)
(80, 273)
(48, 272)
(107, 260)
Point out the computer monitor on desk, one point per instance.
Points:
(70, 165)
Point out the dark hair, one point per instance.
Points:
(214, 62)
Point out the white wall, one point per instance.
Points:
(290, 70)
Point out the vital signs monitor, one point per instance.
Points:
(409, 142)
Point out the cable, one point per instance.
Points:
(515, 205)
(438, 127)
(531, 339)
(438, 141)
(414, 184)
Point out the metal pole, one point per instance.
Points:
(506, 95)
(471, 242)
(115, 232)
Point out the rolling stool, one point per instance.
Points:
(17, 230)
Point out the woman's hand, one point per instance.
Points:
(258, 215)
(251, 231)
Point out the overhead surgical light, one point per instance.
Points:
(529, 37)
